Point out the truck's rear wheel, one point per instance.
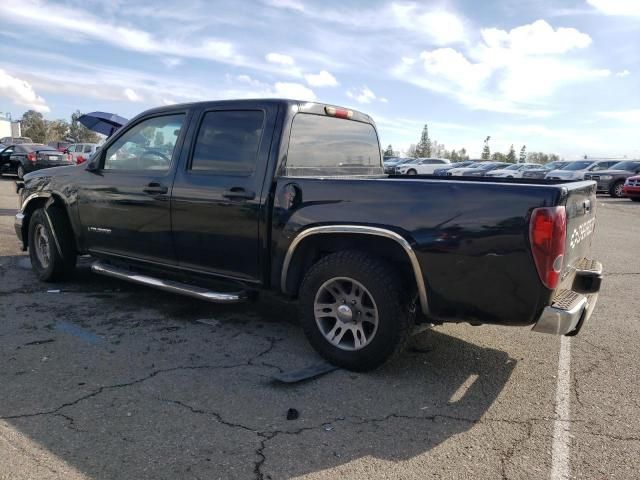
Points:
(352, 310)
(46, 261)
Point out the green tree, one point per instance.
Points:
(34, 126)
(486, 152)
(79, 133)
(511, 156)
(499, 157)
(412, 151)
(57, 130)
(523, 154)
(423, 149)
(463, 155)
(389, 151)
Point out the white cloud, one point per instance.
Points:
(363, 95)
(513, 71)
(623, 73)
(322, 79)
(442, 26)
(132, 95)
(627, 116)
(171, 62)
(617, 7)
(280, 59)
(292, 4)
(21, 92)
(295, 91)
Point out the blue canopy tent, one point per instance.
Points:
(102, 122)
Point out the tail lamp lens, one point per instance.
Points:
(547, 234)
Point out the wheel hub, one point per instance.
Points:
(345, 314)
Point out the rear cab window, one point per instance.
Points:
(330, 146)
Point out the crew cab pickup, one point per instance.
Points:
(292, 196)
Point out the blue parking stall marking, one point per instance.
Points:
(78, 332)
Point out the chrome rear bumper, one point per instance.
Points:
(567, 316)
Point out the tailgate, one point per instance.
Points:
(581, 217)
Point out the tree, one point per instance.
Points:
(389, 151)
(57, 130)
(523, 154)
(423, 149)
(79, 133)
(462, 154)
(499, 157)
(486, 152)
(511, 156)
(412, 151)
(34, 126)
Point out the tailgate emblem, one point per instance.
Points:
(581, 232)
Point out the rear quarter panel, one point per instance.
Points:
(471, 238)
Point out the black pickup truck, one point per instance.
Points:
(292, 196)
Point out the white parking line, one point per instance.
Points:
(560, 468)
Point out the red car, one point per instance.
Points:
(631, 188)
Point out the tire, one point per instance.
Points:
(20, 172)
(379, 287)
(617, 189)
(412, 172)
(46, 261)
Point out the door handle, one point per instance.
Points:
(239, 192)
(155, 188)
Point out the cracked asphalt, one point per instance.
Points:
(105, 379)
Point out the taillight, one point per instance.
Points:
(31, 156)
(547, 234)
(338, 112)
(80, 160)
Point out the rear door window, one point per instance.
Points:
(228, 142)
(322, 145)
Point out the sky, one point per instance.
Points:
(557, 76)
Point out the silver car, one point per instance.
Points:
(576, 170)
(81, 152)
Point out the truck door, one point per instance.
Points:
(124, 203)
(218, 197)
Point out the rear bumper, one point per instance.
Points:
(571, 309)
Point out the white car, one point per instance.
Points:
(575, 170)
(513, 171)
(81, 152)
(422, 166)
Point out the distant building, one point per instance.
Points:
(8, 127)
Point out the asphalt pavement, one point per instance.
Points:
(102, 379)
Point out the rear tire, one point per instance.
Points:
(46, 261)
(412, 172)
(359, 299)
(617, 190)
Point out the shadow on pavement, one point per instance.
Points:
(119, 381)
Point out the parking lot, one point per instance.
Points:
(104, 379)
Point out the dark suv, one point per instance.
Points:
(612, 181)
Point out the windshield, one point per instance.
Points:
(514, 167)
(488, 166)
(630, 165)
(321, 145)
(554, 165)
(576, 166)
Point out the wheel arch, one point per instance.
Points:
(315, 242)
(42, 200)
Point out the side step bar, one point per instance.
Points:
(168, 285)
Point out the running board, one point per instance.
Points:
(168, 285)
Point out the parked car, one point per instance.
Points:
(514, 170)
(60, 146)
(290, 196)
(478, 170)
(612, 181)
(443, 170)
(632, 188)
(544, 169)
(15, 140)
(391, 163)
(577, 169)
(422, 166)
(26, 157)
(81, 152)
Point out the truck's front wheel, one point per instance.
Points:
(352, 310)
(46, 261)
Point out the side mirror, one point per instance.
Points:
(66, 151)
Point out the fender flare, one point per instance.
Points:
(360, 230)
